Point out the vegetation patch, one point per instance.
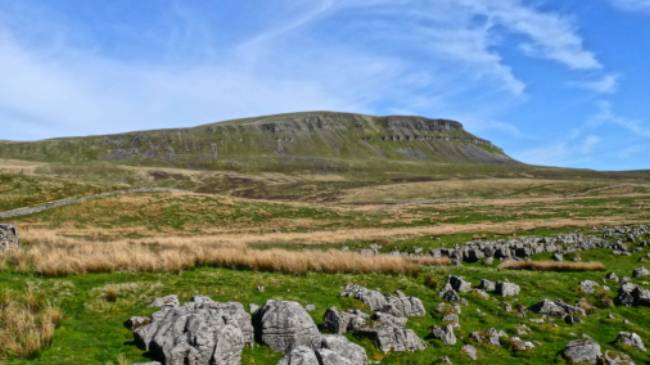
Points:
(552, 265)
(27, 323)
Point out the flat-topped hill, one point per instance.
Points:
(304, 141)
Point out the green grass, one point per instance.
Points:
(21, 190)
(92, 320)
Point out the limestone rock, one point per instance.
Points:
(300, 355)
(339, 322)
(507, 289)
(582, 351)
(284, 325)
(404, 306)
(588, 286)
(520, 345)
(556, 308)
(200, 332)
(372, 298)
(445, 334)
(614, 358)
(470, 351)
(8, 236)
(390, 334)
(631, 339)
(352, 352)
(459, 284)
(487, 285)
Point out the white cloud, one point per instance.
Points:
(608, 84)
(551, 35)
(569, 152)
(635, 127)
(632, 5)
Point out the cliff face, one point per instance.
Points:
(306, 140)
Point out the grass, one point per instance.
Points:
(27, 323)
(96, 304)
(104, 261)
(552, 265)
(61, 258)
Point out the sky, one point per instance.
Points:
(553, 82)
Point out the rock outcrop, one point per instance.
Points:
(8, 236)
(200, 332)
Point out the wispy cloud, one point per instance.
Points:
(642, 6)
(607, 84)
(607, 115)
(550, 35)
(569, 152)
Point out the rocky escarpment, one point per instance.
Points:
(315, 140)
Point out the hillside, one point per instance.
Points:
(318, 141)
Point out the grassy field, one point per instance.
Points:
(86, 268)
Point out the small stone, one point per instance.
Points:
(459, 284)
(520, 345)
(470, 351)
(588, 286)
(168, 301)
(507, 289)
(372, 298)
(614, 358)
(452, 319)
(445, 334)
(487, 285)
(631, 339)
(8, 236)
(310, 307)
(582, 351)
(136, 322)
(301, 355)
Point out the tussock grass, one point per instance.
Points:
(54, 258)
(27, 323)
(552, 265)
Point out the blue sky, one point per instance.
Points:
(554, 82)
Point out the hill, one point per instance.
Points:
(317, 141)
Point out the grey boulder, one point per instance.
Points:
(445, 334)
(582, 351)
(284, 325)
(301, 355)
(507, 289)
(404, 306)
(199, 332)
(631, 339)
(8, 236)
(372, 298)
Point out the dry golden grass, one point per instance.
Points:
(27, 323)
(54, 257)
(244, 237)
(552, 265)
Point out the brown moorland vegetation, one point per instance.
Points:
(27, 323)
(552, 265)
(51, 257)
